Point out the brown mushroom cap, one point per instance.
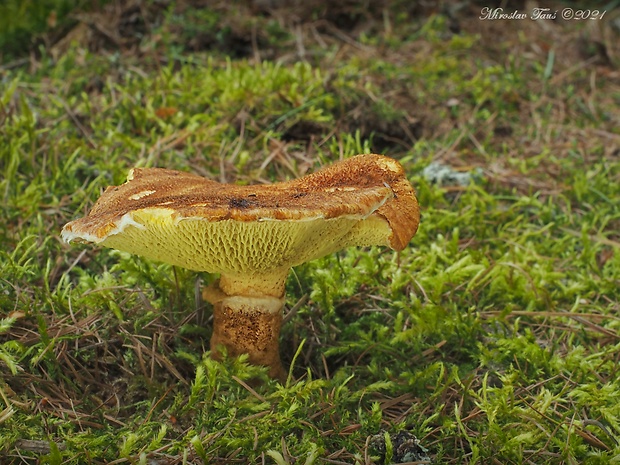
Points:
(258, 230)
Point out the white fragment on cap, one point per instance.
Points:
(68, 235)
(126, 220)
(389, 164)
(340, 189)
(139, 195)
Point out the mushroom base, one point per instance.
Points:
(247, 325)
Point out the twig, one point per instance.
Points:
(37, 446)
(79, 125)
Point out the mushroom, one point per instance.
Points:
(252, 235)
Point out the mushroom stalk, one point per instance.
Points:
(247, 324)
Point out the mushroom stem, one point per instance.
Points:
(247, 325)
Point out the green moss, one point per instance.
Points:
(493, 336)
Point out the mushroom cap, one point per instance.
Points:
(258, 230)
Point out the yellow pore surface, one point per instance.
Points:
(257, 249)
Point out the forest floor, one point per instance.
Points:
(493, 338)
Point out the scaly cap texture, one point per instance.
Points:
(260, 230)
